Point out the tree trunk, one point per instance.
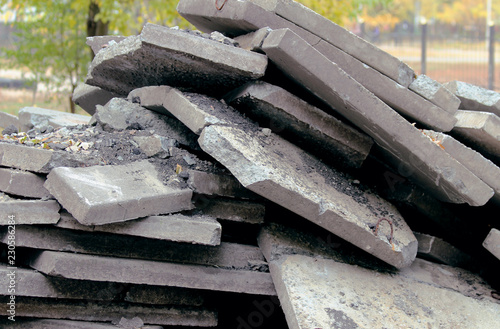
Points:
(95, 28)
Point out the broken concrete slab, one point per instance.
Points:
(246, 16)
(17, 212)
(492, 242)
(286, 175)
(483, 168)
(226, 255)
(475, 98)
(136, 271)
(23, 183)
(39, 160)
(426, 163)
(113, 312)
(308, 126)
(148, 59)
(176, 227)
(360, 298)
(88, 97)
(100, 42)
(26, 323)
(164, 296)
(7, 119)
(243, 211)
(481, 131)
(438, 250)
(31, 117)
(100, 195)
(151, 97)
(30, 283)
(218, 185)
(120, 114)
(436, 93)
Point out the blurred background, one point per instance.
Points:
(43, 55)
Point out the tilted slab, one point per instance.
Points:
(23, 183)
(212, 184)
(483, 168)
(88, 97)
(100, 42)
(26, 323)
(286, 175)
(426, 162)
(481, 131)
(226, 255)
(39, 160)
(7, 119)
(30, 117)
(15, 212)
(492, 242)
(176, 227)
(440, 251)
(238, 16)
(475, 98)
(163, 56)
(113, 312)
(322, 293)
(106, 194)
(313, 129)
(436, 93)
(135, 271)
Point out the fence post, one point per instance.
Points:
(491, 57)
(423, 61)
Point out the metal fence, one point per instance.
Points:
(471, 56)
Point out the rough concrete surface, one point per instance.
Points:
(28, 211)
(436, 93)
(284, 174)
(88, 97)
(136, 271)
(346, 296)
(7, 119)
(23, 183)
(30, 117)
(475, 98)
(313, 129)
(440, 251)
(147, 60)
(106, 194)
(492, 242)
(175, 227)
(480, 130)
(404, 144)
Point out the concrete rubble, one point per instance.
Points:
(273, 170)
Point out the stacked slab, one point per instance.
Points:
(247, 176)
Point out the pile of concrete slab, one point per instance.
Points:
(272, 170)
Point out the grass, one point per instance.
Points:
(12, 100)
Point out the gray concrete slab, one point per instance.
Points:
(100, 42)
(286, 175)
(245, 16)
(304, 124)
(201, 64)
(483, 168)
(23, 183)
(30, 117)
(425, 162)
(26, 323)
(100, 195)
(480, 131)
(176, 227)
(16, 212)
(143, 294)
(226, 255)
(436, 93)
(243, 211)
(151, 97)
(39, 160)
(475, 98)
(114, 312)
(30, 283)
(135, 271)
(440, 251)
(88, 97)
(492, 242)
(7, 119)
(345, 296)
